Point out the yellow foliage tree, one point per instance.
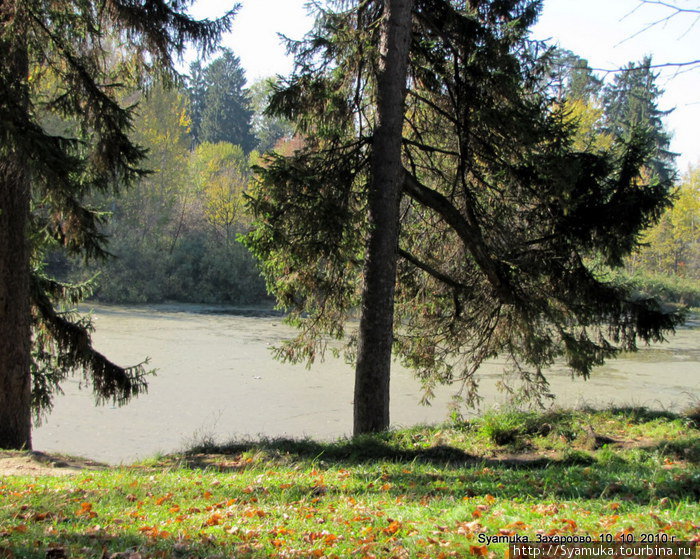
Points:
(221, 173)
(588, 119)
(673, 245)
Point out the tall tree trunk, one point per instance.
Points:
(15, 319)
(372, 372)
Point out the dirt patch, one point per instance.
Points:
(13, 463)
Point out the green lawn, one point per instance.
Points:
(422, 492)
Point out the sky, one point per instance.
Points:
(608, 33)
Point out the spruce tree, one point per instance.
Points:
(225, 113)
(376, 335)
(502, 221)
(573, 78)
(46, 174)
(630, 101)
(196, 90)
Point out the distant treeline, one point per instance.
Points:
(175, 235)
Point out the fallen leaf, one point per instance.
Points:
(392, 528)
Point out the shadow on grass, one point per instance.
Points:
(640, 415)
(87, 545)
(349, 452)
(389, 447)
(628, 470)
(450, 472)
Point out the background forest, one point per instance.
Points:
(174, 235)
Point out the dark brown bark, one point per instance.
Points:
(15, 318)
(372, 373)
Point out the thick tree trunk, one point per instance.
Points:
(371, 408)
(15, 320)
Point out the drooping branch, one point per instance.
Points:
(437, 274)
(431, 149)
(110, 381)
(469, 233)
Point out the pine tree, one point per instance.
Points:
(45, 176)
(502, 220)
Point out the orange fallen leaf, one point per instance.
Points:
(479, 551)
(392, 528)
(255, 513)
(311, 537)
(164, 498)
(86, 510)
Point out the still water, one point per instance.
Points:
(217, 378)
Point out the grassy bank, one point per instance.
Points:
(422, 492)
(670, 289)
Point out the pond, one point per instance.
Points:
(217, 378)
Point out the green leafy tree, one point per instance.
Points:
(150, 220)
(268, 129)
(501, 217)
(173, 233)
(46, 176)
(156, 207)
